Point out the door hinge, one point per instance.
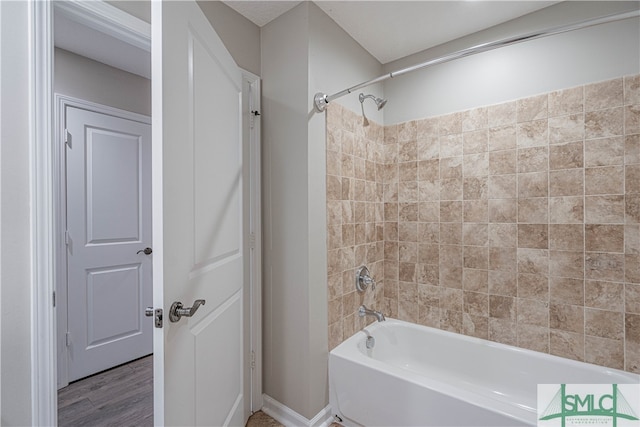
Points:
(67, 137)
(252, 240)
(54, 298)
(67, 238)
(68, 339)
(253, 359)
(252, 117)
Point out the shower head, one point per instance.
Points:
(379, 101)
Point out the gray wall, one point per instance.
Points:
(285, 185)
(15, 229)
(544, 65)
(139, 9)
(239, 35)
(337, 61)
(303, 52)
(86, 79)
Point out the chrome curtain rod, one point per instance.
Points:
(321, 100)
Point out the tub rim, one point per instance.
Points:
(351, 350)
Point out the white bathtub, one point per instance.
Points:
(420, 376)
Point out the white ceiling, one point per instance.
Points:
(261, 12)
(390, 30)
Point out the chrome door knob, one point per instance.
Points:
(146, 251)
(177, 310)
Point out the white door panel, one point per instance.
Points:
(200, 236)
(113, 186)
(108, 222)
(108, 288)
(216, 404)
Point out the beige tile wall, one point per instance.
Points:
(518, 223)
(354, 218)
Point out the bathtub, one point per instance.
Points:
(420, 376)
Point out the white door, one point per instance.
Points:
(198, 208)
(109, 226)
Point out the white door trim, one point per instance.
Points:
(60, 213)
(43, 356)
(109, 20)
(255, 246)
(44, 405)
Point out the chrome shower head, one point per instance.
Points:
(379, 101)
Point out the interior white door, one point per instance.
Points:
(198, 229)
(108, 223)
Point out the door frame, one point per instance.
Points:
(46, 236)
(255, 238)
(60, 207)
(44, 409)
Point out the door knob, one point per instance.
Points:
(177, 310)
(146, 251)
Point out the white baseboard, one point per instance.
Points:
(290, 418)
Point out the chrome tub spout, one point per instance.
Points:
(364, 311)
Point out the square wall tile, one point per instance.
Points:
(604, 180)
(566, 237)
(563, 129)
(569, 182)
(604, 123)
(532, 108)
(604, 209)
(566, 101)
(604, 151)
(602, 95)
(501, 114)
(604, 238)
(566, 344)
(566, 210)
(566, 156)
(502, 138)
(533, 134)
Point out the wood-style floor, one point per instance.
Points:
(122, 396)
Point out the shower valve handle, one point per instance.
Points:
(363, 279)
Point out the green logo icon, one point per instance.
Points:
(613, 405)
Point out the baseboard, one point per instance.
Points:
(290, 418)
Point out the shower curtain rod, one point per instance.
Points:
(321, 100)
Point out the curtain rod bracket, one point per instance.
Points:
(320, 101)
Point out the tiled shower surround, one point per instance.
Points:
(518, 222)
(355, 217)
